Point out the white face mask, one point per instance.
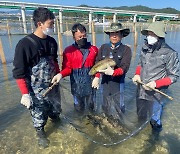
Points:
(48, 31)
(151, 40)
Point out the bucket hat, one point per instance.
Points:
(157, 28)
(116, 27)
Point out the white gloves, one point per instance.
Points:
(149, 86)
(108, 71)
(95, 83)
(56, 78)
(136, 79)
(26, 100)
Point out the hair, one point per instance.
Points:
(77, 27)
(41, 15)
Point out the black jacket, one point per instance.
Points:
(28, 53)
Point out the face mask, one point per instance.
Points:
(48, 31)
(151, 40)
(82, 42)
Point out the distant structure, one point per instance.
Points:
(23, 6)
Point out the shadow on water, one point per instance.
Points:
(173, 143)
(10, 116)
(92, 147)
(154, 139)
(151, 142)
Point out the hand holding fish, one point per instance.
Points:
(95, 83)
(108, 71)
(102, 65)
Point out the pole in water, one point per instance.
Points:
(2, 55)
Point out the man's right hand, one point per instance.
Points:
(25, 100)
(56, 78)
(136, 79)
(95, 83)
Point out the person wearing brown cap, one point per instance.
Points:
(113, 78)
(158, 68)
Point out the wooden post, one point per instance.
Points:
(134, 27)
(3, 59)
(60, 43)
(67, 29)
(5, 72)
(8, 28)
(135, 42)
(93, 35)
(10, 41)
(32, 29)
(135, 37)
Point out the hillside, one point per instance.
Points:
(142, 8)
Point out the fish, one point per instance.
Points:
(102, 65)
(107, 124)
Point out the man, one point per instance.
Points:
(113, 78)
(35, 64)
(158, 68)
(78, 59)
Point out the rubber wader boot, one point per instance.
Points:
(155, 126)
(42, 140)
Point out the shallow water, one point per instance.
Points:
(17, 134)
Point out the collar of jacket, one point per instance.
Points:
(116, 45)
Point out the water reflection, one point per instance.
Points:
(7, 85)
(10, 41)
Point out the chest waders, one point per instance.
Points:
(81, 86)
(40, 79)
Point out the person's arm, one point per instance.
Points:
(172, 69)
(19, 72)
(22, 86)
(136, 79)
(138, 70)
(125, 63)
(20, 67)
(66, 65)
(66, 68)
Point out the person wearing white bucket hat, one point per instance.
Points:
(158, 68)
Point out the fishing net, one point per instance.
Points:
(108, 124)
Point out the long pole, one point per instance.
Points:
(156, 90)
(93, 35)
(60, 43)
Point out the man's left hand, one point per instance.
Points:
(150, 86)
(108, 71)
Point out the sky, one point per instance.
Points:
(156, 4)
